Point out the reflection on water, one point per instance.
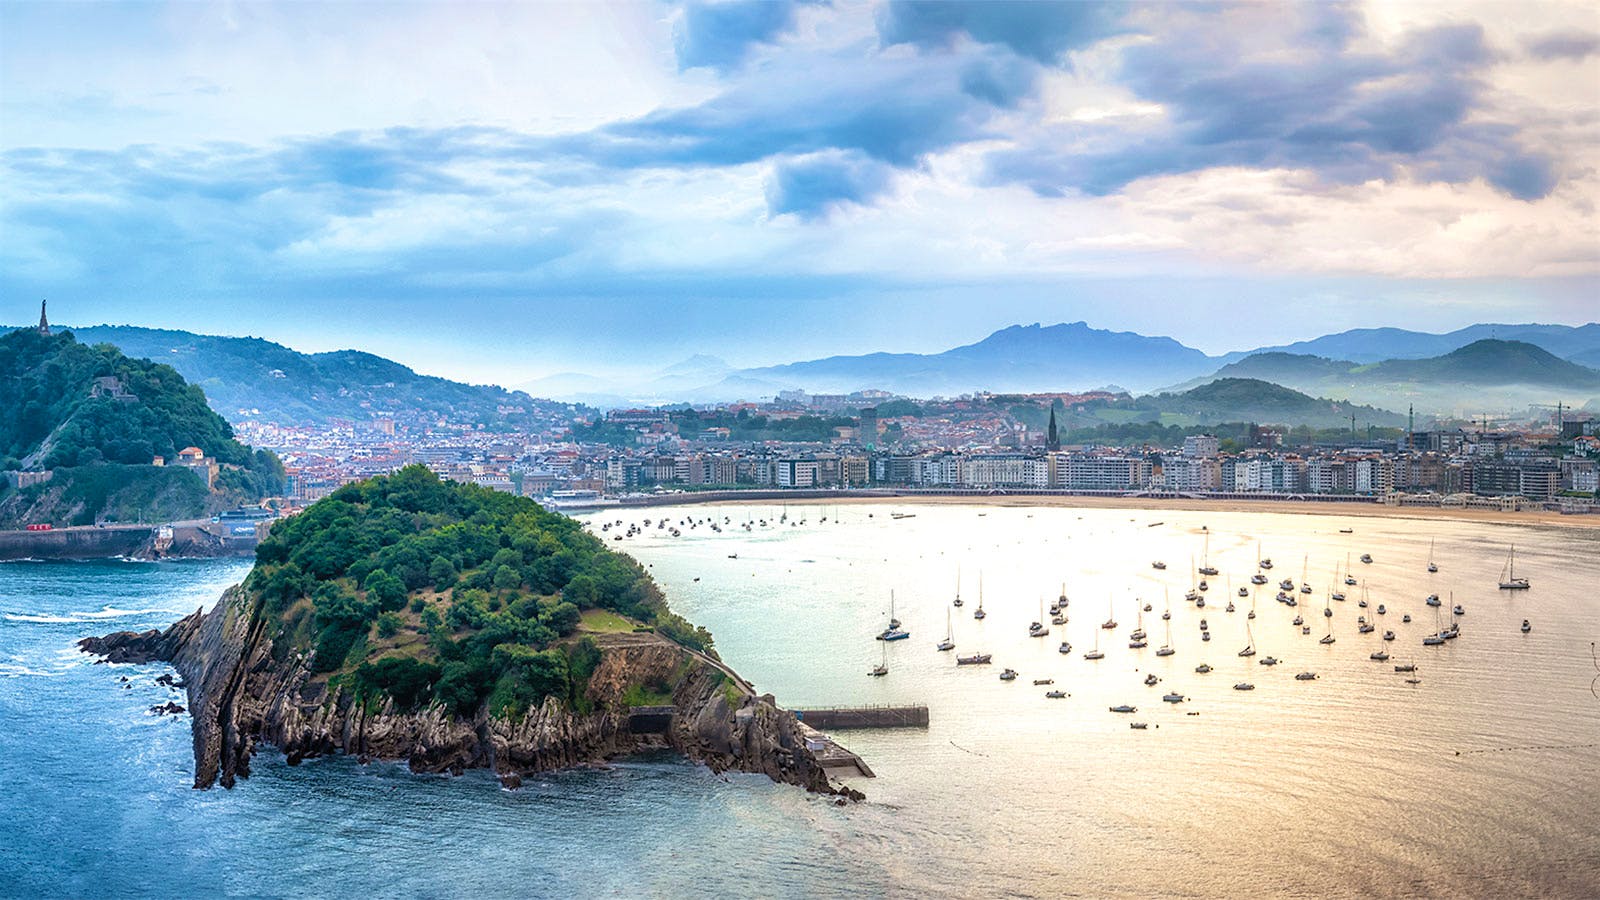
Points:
(1349, 784)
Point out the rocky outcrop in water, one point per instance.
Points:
(245, 690)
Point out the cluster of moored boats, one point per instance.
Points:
(1289, 594)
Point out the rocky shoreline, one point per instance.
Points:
(245, 690)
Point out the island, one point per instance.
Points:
(454, 627)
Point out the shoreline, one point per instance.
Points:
(1352, 509)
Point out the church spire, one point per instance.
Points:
(44, 323)
(1052, 439)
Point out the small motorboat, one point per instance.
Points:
(1257, 578)
(1137, 645)
(1406, 667)
(1244, 592)
(1165, 650)
(1526, 627)
(1305, 676)
(1388, 635)
(1433, 640)
(1379, 656)
(894, 634)
(1406, 618)
(1413, 681)
(1173, 697)
(1268, 660)
(1229, 607)
(1055, 695)
(1151, 679)
(1458, 610)
(1202, 669)
(1094, 654)
(1203, 625)
(976, 659)
(1124, 708)
(1244, 686)
(1205, 635)
(1433, 600)
(1366, 557)
(1043, 681)
(1008, 675)
(1066, 647)
(1139, 726)
(1158, 564)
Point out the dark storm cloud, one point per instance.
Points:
(1349, 116)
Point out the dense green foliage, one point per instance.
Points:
(50, 380)
(375, 559)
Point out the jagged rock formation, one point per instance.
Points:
(244, 690)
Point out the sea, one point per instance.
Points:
(1481, 779)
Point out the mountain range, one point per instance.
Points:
(250, 378)
(1077, 357)
(1486, 372)
(1462, 371)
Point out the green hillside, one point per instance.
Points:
(1230, 400)
(97, 418)
(408, 588)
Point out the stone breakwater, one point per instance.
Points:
(245, 688)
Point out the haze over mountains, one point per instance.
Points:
(1459, 372)
(1076, 357)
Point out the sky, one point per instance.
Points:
(499, 192)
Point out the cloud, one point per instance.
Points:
(1568, 43)
(1264, 87)
(1041, 30)
(720, 35)
(815, 185)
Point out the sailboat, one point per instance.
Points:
(949, 642)
(1039, 629)
(1349, 578)
(979, 613)
(893, 632)
(1111, 621)
(1305, 584)
(1508, 576)
(1249, 648)
(1095, 653)
(1432, 566)
(1060, 617)
(882, 668)
(957, 601)
(1205, 557)
(1166, 647)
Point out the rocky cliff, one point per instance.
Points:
(245, 689)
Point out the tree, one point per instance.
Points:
(442, 572)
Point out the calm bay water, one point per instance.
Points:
(1350, 784)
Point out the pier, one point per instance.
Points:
(866, 717)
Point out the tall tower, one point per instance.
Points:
(44, 323)
(1052, 439)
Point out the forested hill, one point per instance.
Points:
(70, 404)
(96, 419)
(422, 591)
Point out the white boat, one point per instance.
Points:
(979, 613)
(1432, 567)
(1508, 575)
(1205, 560)
(1166, 648)
(949, 642)
(1008, 675)
(1526, 626)
(956, 602)
(1151, 679)
(1095, 653)
(1158, 564)
(882, 668)
(1066, 647)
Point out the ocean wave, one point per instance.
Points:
(77, 617)
(41, 619)
(13, 670)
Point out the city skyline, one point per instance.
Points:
(496, 193)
